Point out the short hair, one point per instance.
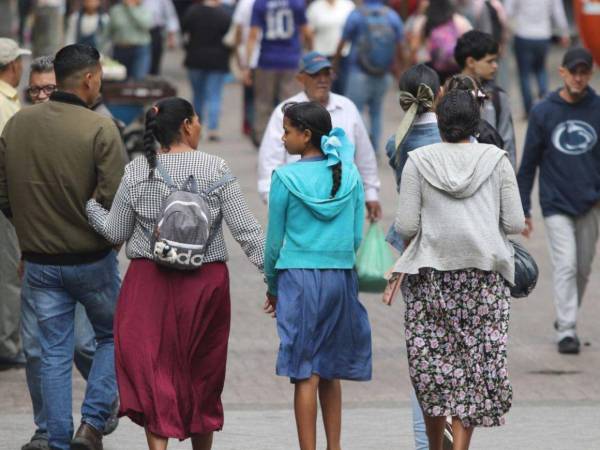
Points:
(417, 75)
(458, 115)
(72, 59)
(43, 64)
(475, 44)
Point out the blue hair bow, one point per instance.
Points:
(337, 147)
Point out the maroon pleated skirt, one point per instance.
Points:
(171, 333)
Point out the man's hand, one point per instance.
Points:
(528, 228)
(171, 40)
(270, 305)
(374, 212)
(565, 41)
(247, 77)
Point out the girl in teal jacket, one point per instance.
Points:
(316, 215)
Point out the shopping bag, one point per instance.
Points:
(373, 260)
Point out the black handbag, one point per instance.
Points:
(526, 272)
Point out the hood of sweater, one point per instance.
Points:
(458, 169)
(588, 100)
(305, 181)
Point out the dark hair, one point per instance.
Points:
(42, 64)
(314, 117)
(475, 44)
(417, 75)
(458, 116)
(163, 122)
(466, 83)
(72, 59)
(438, 13)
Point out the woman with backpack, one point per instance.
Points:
(316, 215)
(172, 326)
(458, 202)
(435, 34)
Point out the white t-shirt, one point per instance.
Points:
(327, 20)
(242, 16)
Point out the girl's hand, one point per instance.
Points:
(270, 305)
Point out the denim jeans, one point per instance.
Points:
(208, 93)
(419, 431)
(369, 90)
(55, 291)
(85, 346)
(136, 59)
(531, 60)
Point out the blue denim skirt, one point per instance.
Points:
(322, 326)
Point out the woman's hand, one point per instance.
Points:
(528, 228)
(270, 305)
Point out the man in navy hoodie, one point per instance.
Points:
(562, 139)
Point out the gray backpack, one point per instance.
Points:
(185, 228)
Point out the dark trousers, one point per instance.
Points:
(157, 46)
(531, 60)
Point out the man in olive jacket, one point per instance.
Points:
(55, 156)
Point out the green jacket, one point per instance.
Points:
(53, 157)
(130, 25)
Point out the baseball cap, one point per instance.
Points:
(313, 62)
(576, 56)
(9, 51)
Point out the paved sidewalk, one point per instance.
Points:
(556, 398)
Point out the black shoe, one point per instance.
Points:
(113, 420)
(37, 443)
(569, 345)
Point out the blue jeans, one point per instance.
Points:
(369, 90)
(54, 292)
(531, 60)
(419, 431)
(208, 92)
(85, 346)
(137, 59)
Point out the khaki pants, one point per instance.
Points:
(10, 290)
(270, 88)
(572, 242)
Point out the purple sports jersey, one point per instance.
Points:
(280, 21)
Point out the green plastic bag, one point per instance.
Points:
(373, 260)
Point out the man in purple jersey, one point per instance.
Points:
(284, 31)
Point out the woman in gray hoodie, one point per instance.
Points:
(458, 202)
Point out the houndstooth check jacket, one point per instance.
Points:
(139, 199)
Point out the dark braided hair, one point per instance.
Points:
(163, 122)
(314, 117)
(458, 116)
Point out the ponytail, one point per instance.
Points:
(336, 173)
(150, 139)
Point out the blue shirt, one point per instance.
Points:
(356, 25)
(562, 140)
(280, 21)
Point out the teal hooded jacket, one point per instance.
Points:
(307, 228)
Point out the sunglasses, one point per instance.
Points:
(48, 89)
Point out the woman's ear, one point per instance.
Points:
(307, 136)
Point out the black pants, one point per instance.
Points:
(157, 46)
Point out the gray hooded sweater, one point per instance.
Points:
(457, 204)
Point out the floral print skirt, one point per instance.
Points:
(456, 326)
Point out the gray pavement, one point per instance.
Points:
(556, 398)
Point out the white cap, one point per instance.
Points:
(9, 51)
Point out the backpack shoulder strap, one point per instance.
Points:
(228, 177)
(496, 101)
(165, 175)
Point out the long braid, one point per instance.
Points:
(336, 173)
(150, 139)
